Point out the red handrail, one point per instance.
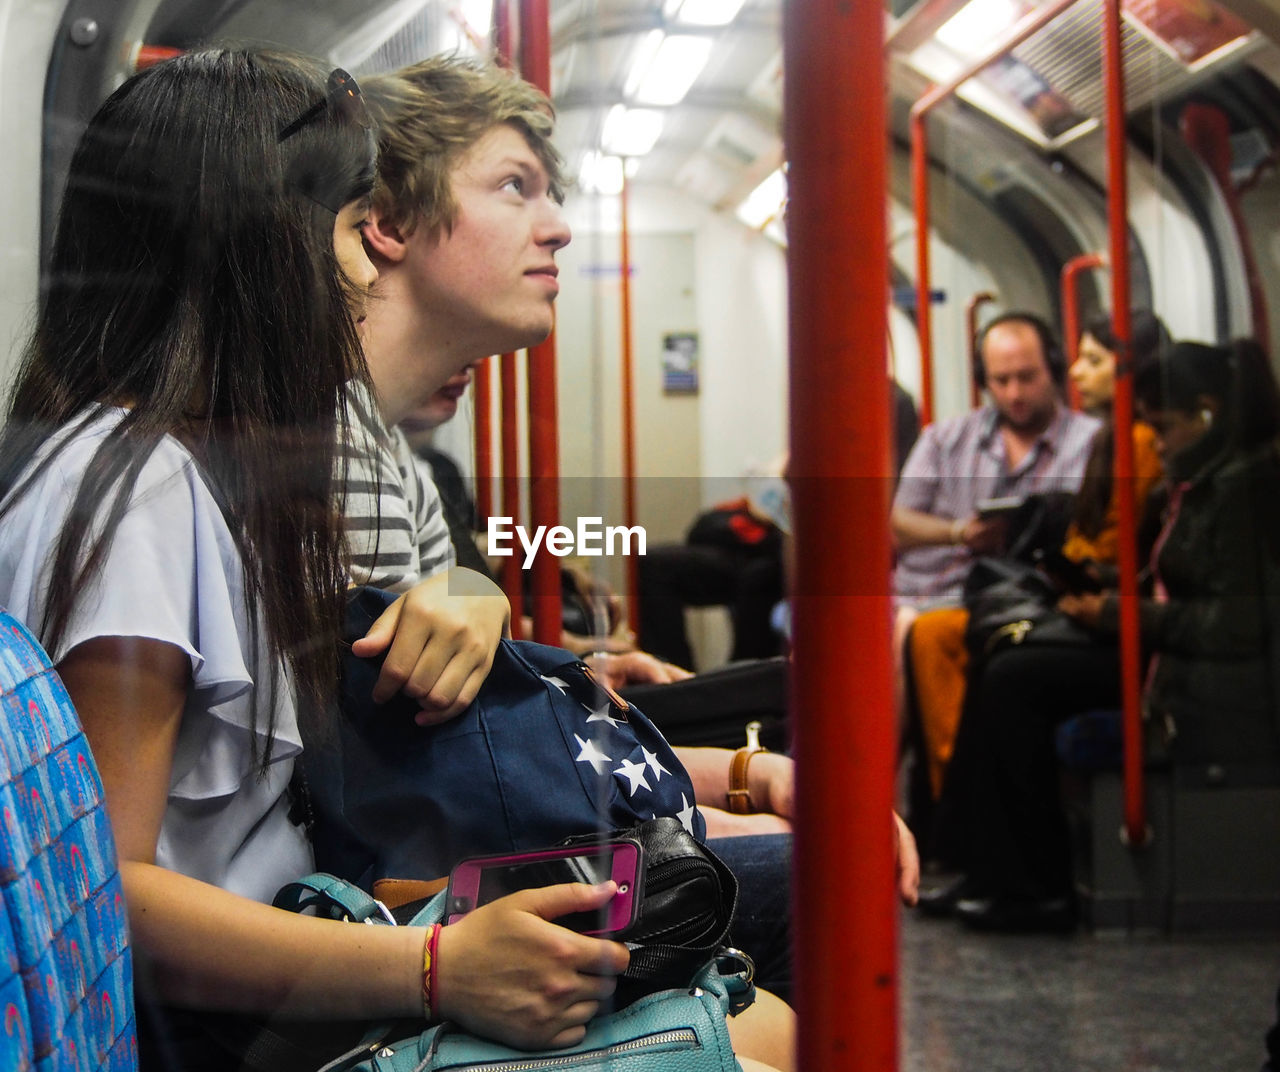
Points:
(544, 437)
(1071, 312)
(512, 572)
(1135, 811)
(482, 404)
(924, 313)
(628, 410)
(846, 919)
(505, 32)
(1024, 28)
(971, 332)
(512, 577)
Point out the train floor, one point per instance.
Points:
(983, 1003)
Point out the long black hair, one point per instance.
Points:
(1238, 376)
(1149, 338)
(193, 281)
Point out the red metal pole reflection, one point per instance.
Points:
(1135, 804)
(971, 332)
(544, 441)
(846, 920)
(482, 404)
(512, 573)
(1031, 23)
(1071, 312)
(628, 411)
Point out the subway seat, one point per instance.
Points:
(66, 974)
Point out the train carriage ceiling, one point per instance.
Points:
(721, 137)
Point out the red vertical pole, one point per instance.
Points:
(1135, 816)
(836, 136)
(971, 332)
(924, 314)
(512, 573)
(628, 411)
(544, 443)
(504, 34)
(1071, 312)
(1033, 21)
(482, 402)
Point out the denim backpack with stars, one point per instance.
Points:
(545, 752)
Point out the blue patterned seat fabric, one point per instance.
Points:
(66, 977)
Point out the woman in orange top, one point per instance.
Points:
(939, 658)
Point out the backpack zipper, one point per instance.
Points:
(683, 1036)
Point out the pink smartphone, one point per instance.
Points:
(481, 879)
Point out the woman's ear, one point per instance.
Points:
(1208, 406)
(384, 238)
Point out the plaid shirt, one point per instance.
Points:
(959, 462)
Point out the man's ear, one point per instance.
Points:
(384, 238)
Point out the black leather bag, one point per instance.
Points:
(685, 914)
(1012, 603)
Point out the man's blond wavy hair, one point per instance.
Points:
(429, 115)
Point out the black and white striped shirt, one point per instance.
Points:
(396, 529)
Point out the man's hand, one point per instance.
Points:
(984, 537)
(439, 637)
(908, 861)
(634, 668)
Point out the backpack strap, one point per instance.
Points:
(332, 898)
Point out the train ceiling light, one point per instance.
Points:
(970, 31)
(631, 131)
(665, 67)
(702, 12)
(603, 174)
(765, 201)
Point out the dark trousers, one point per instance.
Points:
(1004, 781)
(675, 576)
(762, 923)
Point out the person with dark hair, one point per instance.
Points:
(939, 657)
(1207, 619)
(167, 528)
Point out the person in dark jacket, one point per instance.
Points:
(1209, 621)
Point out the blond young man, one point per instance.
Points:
(464, 231)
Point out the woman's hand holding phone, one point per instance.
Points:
(507, 972)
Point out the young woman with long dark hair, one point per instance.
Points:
(168, 529)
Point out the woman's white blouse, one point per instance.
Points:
(173, 574)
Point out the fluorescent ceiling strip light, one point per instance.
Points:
(478, 14)
(702, 12)
(674, 68)
(765, 201)
(601, 174)
(631, 131)
(646, 50)
(971, 30)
